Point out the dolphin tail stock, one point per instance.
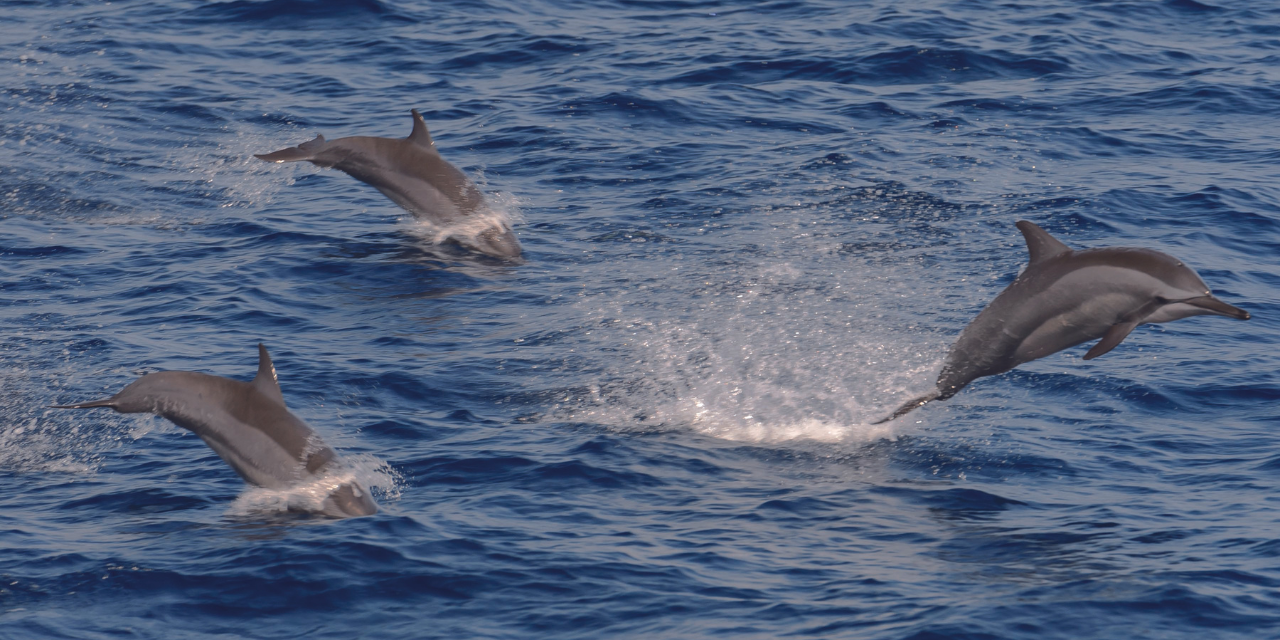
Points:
(92, 404)
(910, 405)
(304, 151)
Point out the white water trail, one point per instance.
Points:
(309, 496)
(769, 353)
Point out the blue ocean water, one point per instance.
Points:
(750, 228)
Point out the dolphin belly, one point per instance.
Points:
(257, 460)
(1083, 321)
(420, 198)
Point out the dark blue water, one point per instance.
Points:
(751, 229)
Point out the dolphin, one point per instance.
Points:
(413, 175)
(248, 426)
(1067, 297)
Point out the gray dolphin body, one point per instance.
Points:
(247, 425)
(1067, 297)
(412, 174)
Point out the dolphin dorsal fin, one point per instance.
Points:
(420, 135)
(1040, 244)
(266, 382)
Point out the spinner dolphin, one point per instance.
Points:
(248, 426)
(1065, 298)
(412, 174)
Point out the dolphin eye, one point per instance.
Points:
(1162, 300)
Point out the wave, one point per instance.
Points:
(296, 14)
(905, 65)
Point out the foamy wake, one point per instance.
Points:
(765, 352)
(735, 424)
(385, 482)
(30, 446)
(503, 212)
(36, 438)
(811, 429)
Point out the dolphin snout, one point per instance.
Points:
(499, 243)
(350, 500)
(1218, 307)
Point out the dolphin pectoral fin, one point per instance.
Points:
(304, 151)
(910, 406)
(1218, 307)
(1040, 244)
(266, 381)
(92, 404)
(1114, 336)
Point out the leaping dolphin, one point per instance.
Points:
(1067, 297)
(248, 426)
(412, 174)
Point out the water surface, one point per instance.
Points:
(751, 229)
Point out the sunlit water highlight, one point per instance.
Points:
(750, 231)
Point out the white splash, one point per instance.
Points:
(503, 211)
(309, 496)
(767, 354)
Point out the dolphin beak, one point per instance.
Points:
(499, 243)
(1218, 307)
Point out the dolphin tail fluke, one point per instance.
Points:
(910, 405)
(105, 402)
(304, 151)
